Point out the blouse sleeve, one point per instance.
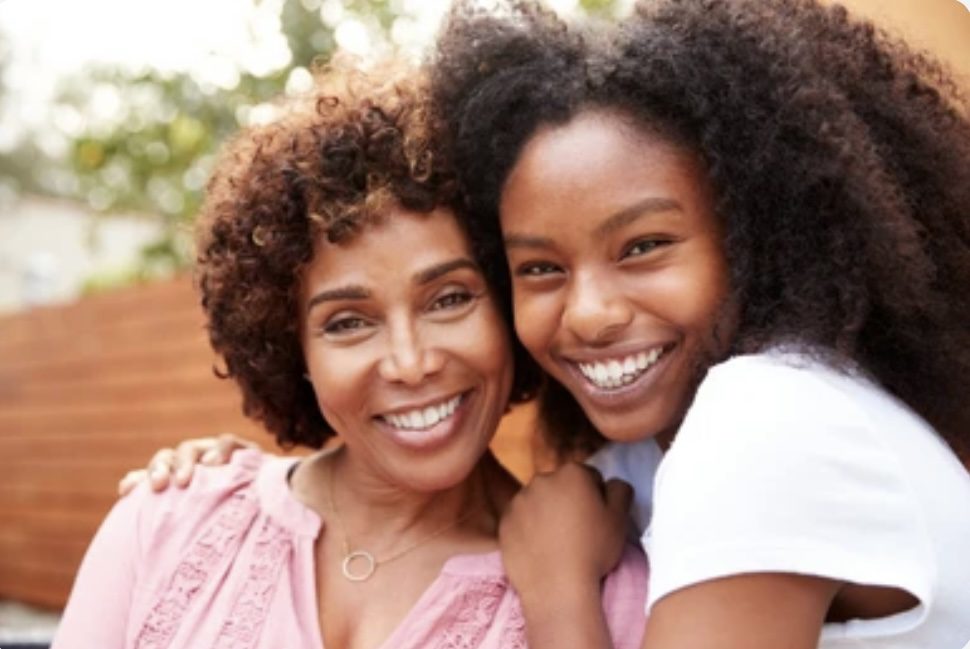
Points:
(777, 468)
(97, 611)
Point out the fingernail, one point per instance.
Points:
(210, 457)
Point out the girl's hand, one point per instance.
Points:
(178, 463)
(559, 537)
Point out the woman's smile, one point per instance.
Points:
(425, 426)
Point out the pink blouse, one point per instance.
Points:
(229, 562)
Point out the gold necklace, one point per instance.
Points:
(366, 563)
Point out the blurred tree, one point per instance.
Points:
(154, 152)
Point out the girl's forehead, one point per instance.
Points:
(590, 168)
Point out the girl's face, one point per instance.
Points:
(406, 349)
(618, 269)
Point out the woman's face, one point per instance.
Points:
(618, 269)
(406, 349)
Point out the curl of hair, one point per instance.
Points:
(839, 160)
(332, 164)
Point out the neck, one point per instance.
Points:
(371, 510)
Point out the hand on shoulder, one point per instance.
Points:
(168, 466)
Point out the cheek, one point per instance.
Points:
(494, 351)
(338, 385)
(537, 319)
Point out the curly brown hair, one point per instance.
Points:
(839, 158)
(332, 164)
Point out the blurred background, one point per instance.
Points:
(110, 114)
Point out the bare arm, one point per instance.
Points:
(751, 611)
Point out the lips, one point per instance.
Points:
(424, 417)
(619, 371)
(612, 373)
(425, 427)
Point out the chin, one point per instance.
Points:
(441, 474)
(625, 430)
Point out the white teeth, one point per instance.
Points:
(600, 373)
(420, 419)
(618, 372)
(615, 369)
(629, 365)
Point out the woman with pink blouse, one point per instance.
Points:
(344, 298)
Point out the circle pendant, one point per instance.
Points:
(364, 562)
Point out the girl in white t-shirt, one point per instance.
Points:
(740, 230)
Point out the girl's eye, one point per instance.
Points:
(536, 269)
(642, 247)
(451, 300)
(343, 326)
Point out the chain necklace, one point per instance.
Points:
(360, 565)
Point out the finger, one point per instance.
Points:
(160, 469)
(619, 496)
(130, 481)
(594, 474)
(187, 455)
(229, 444)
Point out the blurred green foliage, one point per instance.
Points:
(156, 155)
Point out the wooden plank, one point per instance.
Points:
(41, 583)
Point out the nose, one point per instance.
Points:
(408, 358)
(596, 311)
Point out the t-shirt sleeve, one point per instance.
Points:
(777, 469)
(97, 611)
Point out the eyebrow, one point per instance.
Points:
(357, 292)
(439, 270)
(351, 292)
(627, 215)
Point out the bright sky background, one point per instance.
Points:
(48, 40)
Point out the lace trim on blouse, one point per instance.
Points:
(220, 540)
(473, 613)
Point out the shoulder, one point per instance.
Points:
(628, 580)
(782, 465)
(779, 407)
(777, 424)
(625, 598)
(779, 385)
(169, 518)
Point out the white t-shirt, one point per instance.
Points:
(785, 465)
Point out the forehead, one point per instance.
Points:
(389, 245)
(595, 164)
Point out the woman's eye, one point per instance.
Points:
(346, 325)
(641, 247)
(536, 269)
(451, 300)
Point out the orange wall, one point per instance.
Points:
(941, 27)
